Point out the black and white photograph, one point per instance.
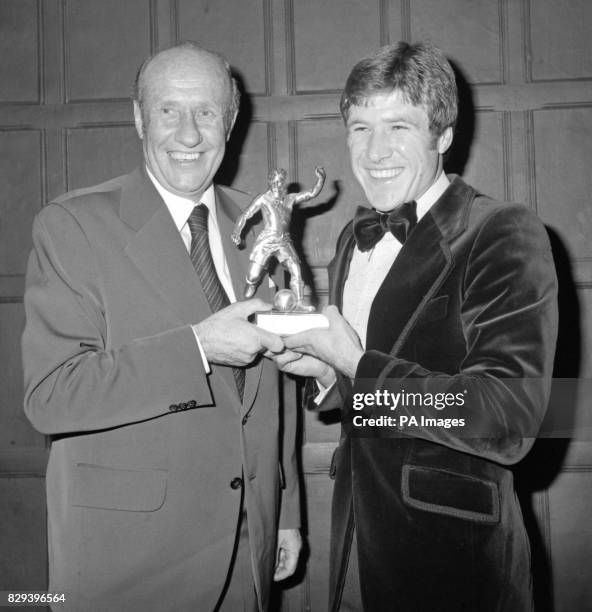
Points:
(296, 305)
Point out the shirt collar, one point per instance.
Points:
(432, 195)
(180, 207)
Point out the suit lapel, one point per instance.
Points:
(419, 270)
(410, 281)
(158, 251)
(338, 270)
(227, 213)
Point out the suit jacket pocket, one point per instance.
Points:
(451, 493)
(96, 486)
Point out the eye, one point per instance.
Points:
(205, 114)
(358, 128)
(395, 127)
(168, 112)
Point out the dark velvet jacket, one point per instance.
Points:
(469, 307)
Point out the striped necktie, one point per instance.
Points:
(201, 256)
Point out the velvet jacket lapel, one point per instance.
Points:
(419, 270)
(338, 270)
(412, 279)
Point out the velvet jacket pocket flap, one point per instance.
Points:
(96, 486)
(446, 492)
(435, 309)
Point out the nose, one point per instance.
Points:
(379, 146)
(188, 133)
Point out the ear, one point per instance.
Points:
(138, 120)
(445, 140)
(229, 130)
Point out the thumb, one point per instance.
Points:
(271, 342)
(332, 313)
(244, 309)
(299, 341)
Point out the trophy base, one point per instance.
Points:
(288, 323)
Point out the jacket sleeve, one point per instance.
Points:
(73, 380)
(290, 504)
(509, 322)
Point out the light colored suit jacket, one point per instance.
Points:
(142, 513)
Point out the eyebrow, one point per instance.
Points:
(175, 102)
(387, 119)
(399, 119)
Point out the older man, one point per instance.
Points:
(165, 484)
(442, 358)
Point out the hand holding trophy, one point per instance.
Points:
(290, 314)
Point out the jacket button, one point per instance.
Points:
(173, 407)
(192, 404)
(236, 483)
(182, 406)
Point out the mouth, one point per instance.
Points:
(181, 157)
(385, 173)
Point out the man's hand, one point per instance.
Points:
(338, 346)
(228, 338)
(289, 545)
(305, 365)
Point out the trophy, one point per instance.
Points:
(290, 314)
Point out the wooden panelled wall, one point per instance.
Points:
(525, 69)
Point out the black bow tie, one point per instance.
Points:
(371, 225)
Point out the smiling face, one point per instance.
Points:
(181, 120)
(394, 155)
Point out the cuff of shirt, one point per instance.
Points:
(323, 391)
(206, 365)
